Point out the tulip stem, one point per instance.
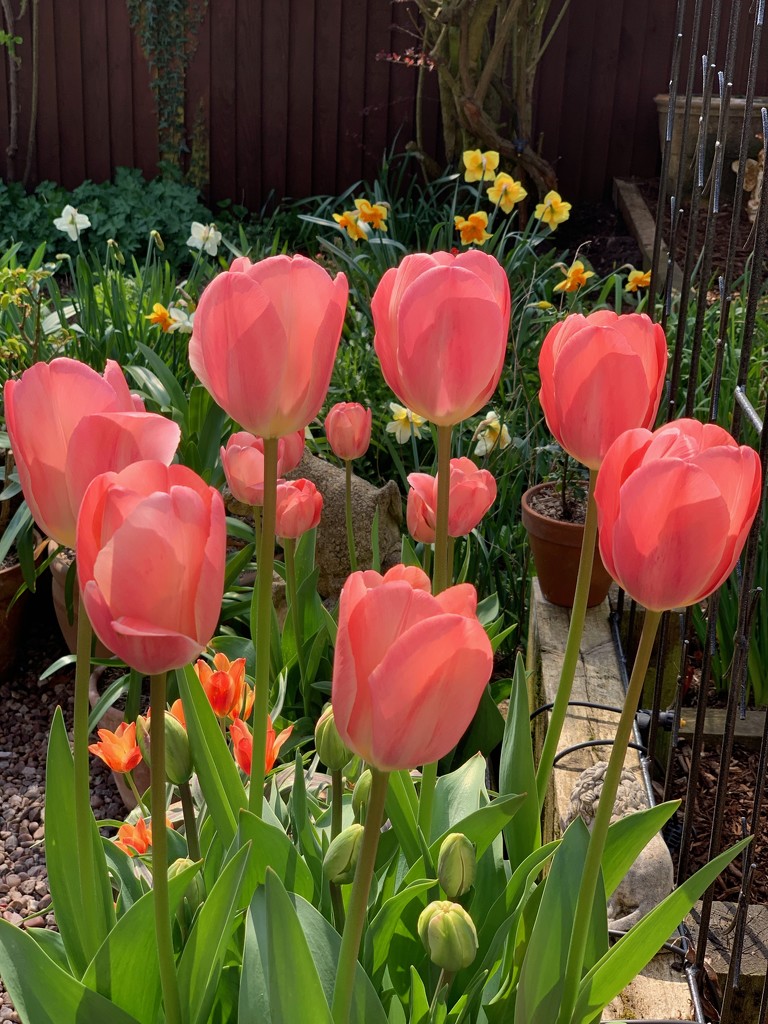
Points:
(427, 558)
(136, 795)
(594, 856)
(289, 547)
(337, 790)
(358, 900)
(257, 533)
(572, 646)
(443, 981)
(348, 511)
(82, 780)
(261, 622)
(168, 980)
(190, 821)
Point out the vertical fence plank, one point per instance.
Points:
(96, 89)
(145, 149)
(274, 96)
(48, 165)
(351, 93)
(223, 99)
(69, 81)
(300, 74)
(328, 60)
(249, 90)
(119, 48)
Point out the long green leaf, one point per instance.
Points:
(627, 837)
(382, 927)
(517, 772)
(272, 849)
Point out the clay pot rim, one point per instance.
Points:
(542, 525)
(37, 551)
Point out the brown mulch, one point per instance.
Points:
(549, 503)
(742, 777)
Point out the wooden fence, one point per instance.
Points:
(294, 100)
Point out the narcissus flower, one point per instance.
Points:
(575, 276)
(638, 279)
(374, 214)
(491, 434)
(552, 210)
(403, 422)
(133, 839)
(160, 316)
(223, 684)
(480, 166)
(118, 749)
(204, 236)
(71, 222)
(242, 744)
(348, 222)
(505, 192)
(472, 228)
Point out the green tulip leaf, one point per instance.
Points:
(382, 928)
(272, 848)
(401, 809)
(42, 991)
(457, 795)
(177, 400)
(217, 772)
(62, 856)
(517, 772)
(51, 942)
(627, 837)
(629, 956)
(419, 1002)
(124, 878)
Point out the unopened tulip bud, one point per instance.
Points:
(340, 861)
(448, 934)
(362, 792)
(329, 744)
(143, 738)
(178, 756)
(456, 865)
(195, 891)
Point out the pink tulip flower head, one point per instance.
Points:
(243, 462)
(674, 509)
(151, 548)
(265, 340)
(601, 374)
(67, 424)
(472, 492)
(299, 504)
(348, 429)
(441, 332)
(409, 668)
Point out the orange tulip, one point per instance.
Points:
(601, 374)
(409, 668)
(133, 839)
(118, 749)
(472, 492)
(441, 332)
(299, 504)
(177, 710)
(348, 429)
(265, 340)
(674, 509)
(242, 744)
(223, 684)
(243, 462)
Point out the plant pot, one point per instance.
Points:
(11, 579)
(59, 569)
(111, 718)
(556, 549)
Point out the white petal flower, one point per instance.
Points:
(71, 222)
(204, 236)
(491, 434)
(404, 423)
(182, 321)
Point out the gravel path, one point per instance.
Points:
(27, 709)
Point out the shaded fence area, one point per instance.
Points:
(292, 96)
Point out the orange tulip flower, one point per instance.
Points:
(177, 710)
(118, 749)
(223, 684)
(133, 839)
(242, 743)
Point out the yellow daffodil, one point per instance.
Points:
(575, 276)
(637, 279)
(490, 434)
(543, 304)
(505, 192)
(347, 221)
(473, 228)
(160, 316)
(372, 213)
(404, 422)
(553, 210)
(480, 166)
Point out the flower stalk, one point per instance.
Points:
(348, 515)
(289, 547)
(82, 778)
(190, 821)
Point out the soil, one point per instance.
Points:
(549, 503)
(599, 233)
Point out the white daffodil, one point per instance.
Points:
(182, 321)
(71, 222)
(490, 434)
(403, 422)
(204, 236)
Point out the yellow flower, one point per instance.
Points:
(575, 277)
(372, 213)
(473, 228)
(505, 192)
(347, 221)
(160, 316)
(553, 210)
(637, 279)
(480, 166)
(490, 434)
(404, 422)
(543, 304)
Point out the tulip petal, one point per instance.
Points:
(624, 456)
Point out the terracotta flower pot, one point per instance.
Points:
(59, 569)
(111, 718)
(556, 548)
(11, 579)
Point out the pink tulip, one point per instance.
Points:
(441, 332)
(299, 504)
(409, 668)
(151, 547)
(67, 424)
(601, 374)
(674, 509)
(348, 429)
(472, 492)
(243, 462)
(265, 340)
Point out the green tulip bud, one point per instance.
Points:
(178, 756)
(456, 865)
(194, 894)
(448, 934)
(143, 740)
(362, 792)
(329, 744)
(340, 861)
